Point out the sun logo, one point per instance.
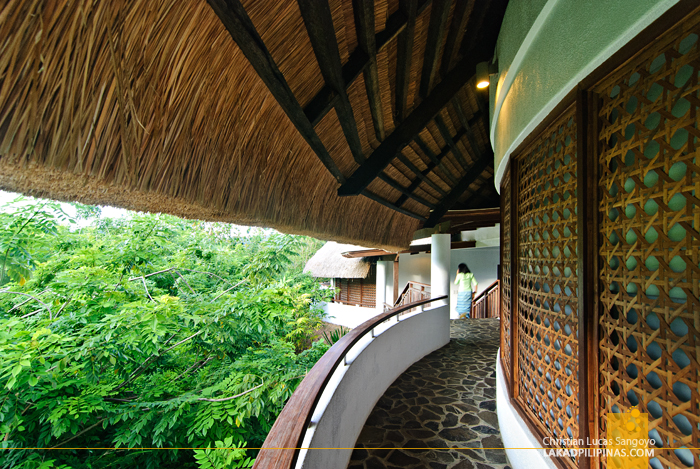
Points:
(628, 440)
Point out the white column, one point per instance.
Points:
(440, 267)
(381, 285)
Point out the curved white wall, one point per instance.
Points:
(522, 447)
(373, 364)
(564, 43)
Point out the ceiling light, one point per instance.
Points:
(482, 75)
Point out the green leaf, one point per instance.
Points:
(33, 380)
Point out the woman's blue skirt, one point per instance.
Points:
(464, 302)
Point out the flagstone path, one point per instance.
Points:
(440, 413)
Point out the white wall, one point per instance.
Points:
(482, 261)
(347, 315)
(353, 390)
(517, 437)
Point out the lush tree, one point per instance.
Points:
(148, 332)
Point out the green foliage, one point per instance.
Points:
(335, 335)
(148, 332)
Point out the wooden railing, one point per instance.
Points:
(488, 303)
(281, 447)
(412, 292)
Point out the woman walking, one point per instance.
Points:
(467, 286)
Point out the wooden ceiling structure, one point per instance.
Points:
(427, 126)
(350, 120)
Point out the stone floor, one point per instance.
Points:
(440, 413)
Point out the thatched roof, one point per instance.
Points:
(328, 262)
(236, 112)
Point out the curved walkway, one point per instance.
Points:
(440, 413)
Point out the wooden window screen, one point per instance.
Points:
(649, 212)
(358, 291)
(505, 275)
(547, 281)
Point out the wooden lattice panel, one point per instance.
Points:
(547, 281)
(505, 274)
(649, 221)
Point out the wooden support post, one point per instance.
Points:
(587, 247)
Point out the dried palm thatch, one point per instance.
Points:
(328, 262)
(151, 105)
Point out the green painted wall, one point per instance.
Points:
(545, 48)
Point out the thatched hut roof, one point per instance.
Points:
(236, 112)
(328, 262)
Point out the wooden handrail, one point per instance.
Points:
(486, 291)
(409, 285)
(281, 447)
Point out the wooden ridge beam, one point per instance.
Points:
(458, 26)
(363, 11)
(319, 25)
(327, 97)
(445, 150)
(404, 57)
(436, 33)
(414, 123)
(236, 21)
(472, 174)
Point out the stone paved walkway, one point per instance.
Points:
(446, 400)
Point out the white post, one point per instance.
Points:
(440, 267)
(381, 285)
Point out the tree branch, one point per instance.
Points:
(232, 397)
(79, 433)
(30, 296)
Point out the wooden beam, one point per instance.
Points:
(458, 26)
(241, 28)
(319, 25)
(402, 158)
(405, 191)
(471, 175)
(326, 98)
(364, 25)
(404, 58)
(436, 33)
(450, 142)
(392, 205)
(436, 160)
(414, 123)
(467, 125)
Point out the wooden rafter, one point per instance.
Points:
(414, 123)
(467, 125)
(458, 26)
(391, 205)
(402, 158)
(326, 98)
(436, 160)
(319, 25)
(406, 191)
(364, 25)
(241, 28)
(450, 141)
(439, 12)
(472, 174)
(404, 57)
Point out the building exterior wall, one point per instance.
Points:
(565, 42)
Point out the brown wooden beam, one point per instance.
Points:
(423, 177)
(364, 25)
(404, 58)
(319, 25)
(435, 160)
(467, 125)
(236, 21)
(458, 26)
(472, 173)
(414, 123)
(391, 205)
(326, 98)
(450, 142)
(405, 191)
(439, 12)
